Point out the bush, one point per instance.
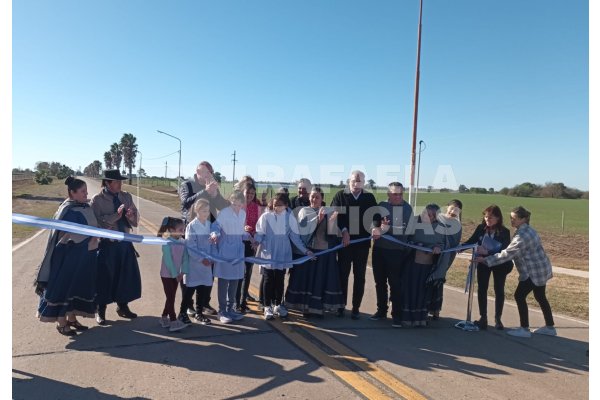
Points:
(42, 178)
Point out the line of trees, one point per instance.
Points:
(528, 189)
(93, 169)
(44, 171)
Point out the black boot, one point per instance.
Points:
(499, 324)
(482, 323)
(101, 315)
(124, 312)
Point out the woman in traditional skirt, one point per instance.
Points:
(66, 280)
(414, 303)
(119, 277)
(314, 286)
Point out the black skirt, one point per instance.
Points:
(119, 277)
(314, 286)
(414, 294)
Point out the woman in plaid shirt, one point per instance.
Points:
(534, 271)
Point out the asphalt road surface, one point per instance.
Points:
(295, 359)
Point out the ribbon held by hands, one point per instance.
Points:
(87, 230)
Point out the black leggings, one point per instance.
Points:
(274, 280)
(539, 292)
(202, 298)
(483, 280)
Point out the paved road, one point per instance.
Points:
(329, 358)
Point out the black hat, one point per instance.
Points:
(113, 175)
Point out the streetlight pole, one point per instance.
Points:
(416, 112)
(138, 186)
(174, 137)
(140, 168)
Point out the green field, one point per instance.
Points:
(546, 214)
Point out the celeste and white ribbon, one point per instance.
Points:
(87, 230)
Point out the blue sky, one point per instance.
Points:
(308, 88)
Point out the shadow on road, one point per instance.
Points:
(29, 386)
(441, 346)
(244, 350)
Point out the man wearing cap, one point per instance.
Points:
(118, 278)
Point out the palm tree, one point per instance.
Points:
(129, 150)
(116, 155)
(96, 167)
(108, 160)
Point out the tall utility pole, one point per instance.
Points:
(418, 170)
(137, 201)
(165, 170)
(414, 140)
(234, 161)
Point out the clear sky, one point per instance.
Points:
(308, 88)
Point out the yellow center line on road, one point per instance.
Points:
(348, 354)
(363, 363)
(342, 371)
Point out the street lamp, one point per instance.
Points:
(179, 173)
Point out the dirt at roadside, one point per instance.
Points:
(567, 251)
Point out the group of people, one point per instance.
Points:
(217, 238)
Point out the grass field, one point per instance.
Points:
(547, 214)
(33, 199)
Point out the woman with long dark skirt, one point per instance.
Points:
(119, 278)
(414, 291)
(314, 286)
(66, 280)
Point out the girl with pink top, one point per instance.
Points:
(173, 265)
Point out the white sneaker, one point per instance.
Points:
(224, 318)
(519, 332)
(176, 325)
(191, 311)
(165, 322)
(546, 330)
(281, 311)
(268, 312)
(234, 315)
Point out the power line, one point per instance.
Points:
(158, 158)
